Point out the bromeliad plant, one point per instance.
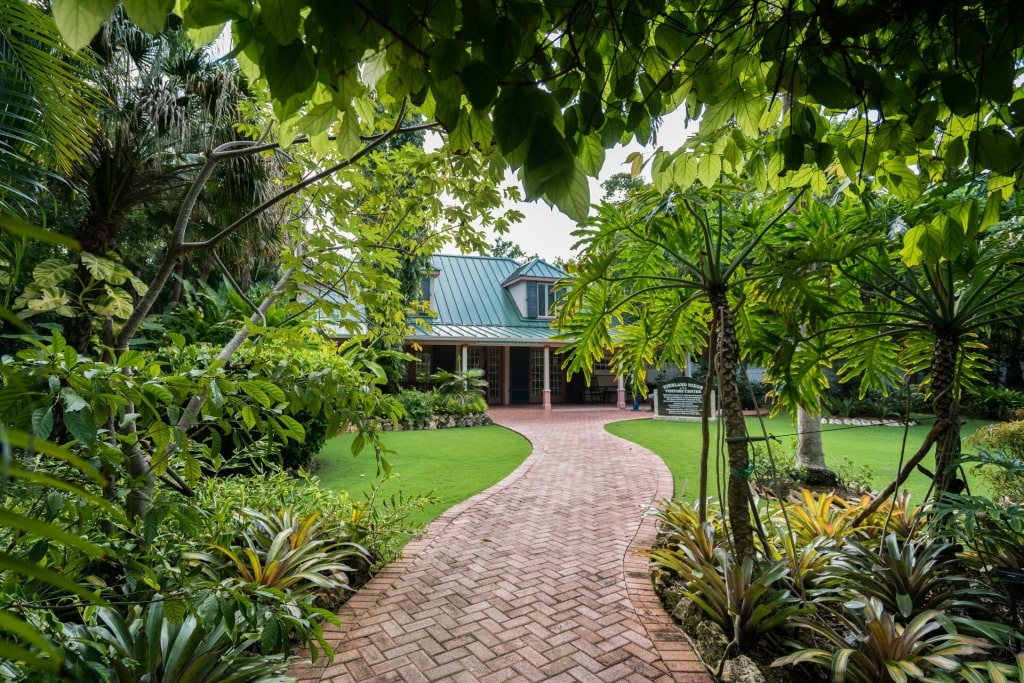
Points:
(746, 600)
(905, 578)
(868, 644)
(279, 569)
(150, 645)
(282, 551)
(824, 514)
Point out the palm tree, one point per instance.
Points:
(49, 108)
(168, 102)
(959, 271)
(659, 277)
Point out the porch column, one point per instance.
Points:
(620, 394)
(506, 376)
(465, 359)
(547, 378)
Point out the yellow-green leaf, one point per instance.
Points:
(150, 15)
(79, 20)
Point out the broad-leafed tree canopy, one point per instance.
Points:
(922, 90)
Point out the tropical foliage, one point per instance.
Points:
(922, 95)
(886, 598)
(168, 166)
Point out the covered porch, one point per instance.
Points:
(518, 372)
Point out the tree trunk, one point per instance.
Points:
(738, 489)
(945, 406)
(810, 454)
(99, 237)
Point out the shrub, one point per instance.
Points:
(449, 398)
(457, 391)
(418, 406)
(997, 403)
(1000, 461)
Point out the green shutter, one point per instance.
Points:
(531, 299)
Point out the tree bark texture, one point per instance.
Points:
(945, 406)
(738, 489)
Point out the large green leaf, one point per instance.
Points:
(82, 426)
(570, 192)
(481, 83)
(515, 111)
(290, 72)
(282, 17)
(52, 272)
(941, 238)
(21, 228)
(10, 624)
(150, 15)
(960, 95)
(79, 20)
(32, 570)
(48, 531)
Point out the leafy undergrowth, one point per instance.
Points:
(219, 586)
(901, 593)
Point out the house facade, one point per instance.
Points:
(494, 314)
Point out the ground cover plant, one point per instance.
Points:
(449, 465)
(856, 451)
(886, 596)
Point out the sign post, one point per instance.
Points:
(680, 399)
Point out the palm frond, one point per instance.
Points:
(49, 117)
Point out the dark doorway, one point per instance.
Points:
(519, 375)
(444, 359)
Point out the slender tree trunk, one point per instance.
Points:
(945, 406)
(140, 462)
(810, 453)
(737, 446)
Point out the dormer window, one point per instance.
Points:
(534, 288)
(540, 299)
(546, 295)
(427, 278)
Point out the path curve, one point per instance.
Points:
(534, 579)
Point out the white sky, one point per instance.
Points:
(545, 231)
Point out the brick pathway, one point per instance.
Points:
(535, 579)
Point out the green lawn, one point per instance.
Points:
(878, 448)
(451, 464)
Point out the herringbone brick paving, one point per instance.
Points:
(535, 579)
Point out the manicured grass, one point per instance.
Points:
(451, 464)
(878, 448)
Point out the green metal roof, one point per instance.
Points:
(535, 269)
(472, 304)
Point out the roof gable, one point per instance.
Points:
(535, 270)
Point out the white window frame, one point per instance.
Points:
(546, 297)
